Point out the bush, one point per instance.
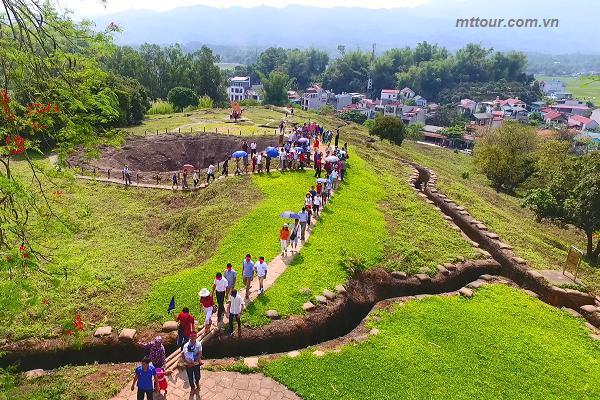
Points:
(326, 110)
(465, 174)
(353, 116)
(182, 97)
(369, 123)
(390, 128)
(161, 107)
(353, 264)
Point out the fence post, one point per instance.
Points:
(157, 131)
(145, 132)
(123, 173)
(157, 179)
(166, 130)
(94, 170)
(138, 178)
(216, 130)
(228, 131)
(191, 129)
(108, 170)
(204, 129)
(179, 130)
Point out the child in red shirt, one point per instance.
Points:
(161, 381)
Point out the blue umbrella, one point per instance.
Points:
(239, 154)
(272, 151)
(303, 140)
(300, 149)
(322, 180)
(289, 215)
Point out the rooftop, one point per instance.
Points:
(392, 91)
(564, 106)
(582, 119)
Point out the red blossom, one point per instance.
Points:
(57, 109)
(69, 332)
(22, 248)
(78, 318)
(37, 104)
(45, 302)
(45, 126)
(8, 259)
(26, 256)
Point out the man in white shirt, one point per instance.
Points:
(191, 355)
(334, 178)
(210, 173)
(259, 162)
(236, 305)
(261, 271)
(317, 204)
(127, 176)
(220, 286)
(282, 157)
(253, 148)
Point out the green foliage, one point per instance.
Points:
(240, 367)
(182, 97)
(353, 264)
(205, 103)
(326, 110)
(504, 154)
(414, 131)
(464, 174)
(573, 286)
(410, 102)
(369, 123)
(276, 87)
(428, 354)
(161, 107)
(572, 197)
(351, 212)
(390, 128)
(447, 116)
(249, 103)
(354, 116)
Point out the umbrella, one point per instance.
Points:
(272, 151)
(289, 215)
(332, 159)
(300, 149)
(322, 180)
(239, 154)
(303, 140)
(342, 152)
(188, 167)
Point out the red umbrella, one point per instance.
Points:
(188, 167)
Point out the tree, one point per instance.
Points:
(342, 49)
(326, 110)
(572, 197)
(353, 115)
(410, 102)
(276, 87)
(504, 154)
(182, 97)
(414, 131)
(206, 78)
(390, 128)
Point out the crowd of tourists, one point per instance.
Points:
(150, 375)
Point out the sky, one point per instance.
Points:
(92, 8)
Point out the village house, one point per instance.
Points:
(467, 104)
(241, 88)
(339, 101)
(555, 117)
(294, 97)
(407, 93)
(412, 114)
(552, 86)
(314, 97)
(570, 110)
(366, 107)
(420, 101)
(483, 119)
(389, 96)
(538, 105)
(582, 122)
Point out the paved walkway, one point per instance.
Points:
(219, 386)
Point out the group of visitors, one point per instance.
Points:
(150, 378)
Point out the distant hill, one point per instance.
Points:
(302, 26)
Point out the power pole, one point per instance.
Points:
(370, 82)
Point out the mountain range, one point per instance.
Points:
(303, 26)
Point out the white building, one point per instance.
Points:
(315, 97)
(241, 88)
(468, 104)
(339, 101)
(553, 86)
(389, 96)
(407, 93)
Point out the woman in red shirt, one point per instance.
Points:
(284, 235)
(208, 303)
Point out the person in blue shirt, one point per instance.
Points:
(248, 273)
(144, 375)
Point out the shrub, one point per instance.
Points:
(369, 123)
(205, 102)
(160, 107)
(464, 174)
(326, 110)
(353, 264)
(182, 97)
(353, 116)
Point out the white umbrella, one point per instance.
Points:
(332, 159)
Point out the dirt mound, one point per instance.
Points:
(169, 152)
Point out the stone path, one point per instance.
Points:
(219, 386)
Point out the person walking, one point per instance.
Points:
(157, 352)
(284, 235)
(175, 184)
(220, 287)
(317, 204)
(184, 184)
(210, 173)
(317, 167)
(245, 160)
(261, 268)
(254, 161)
(253, 148)
(145, 374)
(237, 167)
(334, 179)
(248, 273)
(312, 192)
(225, 168)
(231, 276)
(302, 160)
(187, 324)
(268, 163)
(245, 146)
(196, 178)
(191, 356)
(326, 190)
(343, 166)
(127, 176)
(282, 158)
(337, 137)
(316, 144)
(235, 308)
(303, 220)
(295, 235)
(259, 162)
(208, 304)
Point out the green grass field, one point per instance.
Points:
(501, 344)
(574, 85)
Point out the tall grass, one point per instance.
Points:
(161, 107)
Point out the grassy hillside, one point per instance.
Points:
(574, 85)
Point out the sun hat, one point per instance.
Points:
(159, 371)
(204, 292)
(285, 225)
(158, 340)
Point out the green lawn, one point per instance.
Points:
(136, 236)
(502, 344)
(350, 222)
(256, 233)
(574, 85)
(545, 246)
